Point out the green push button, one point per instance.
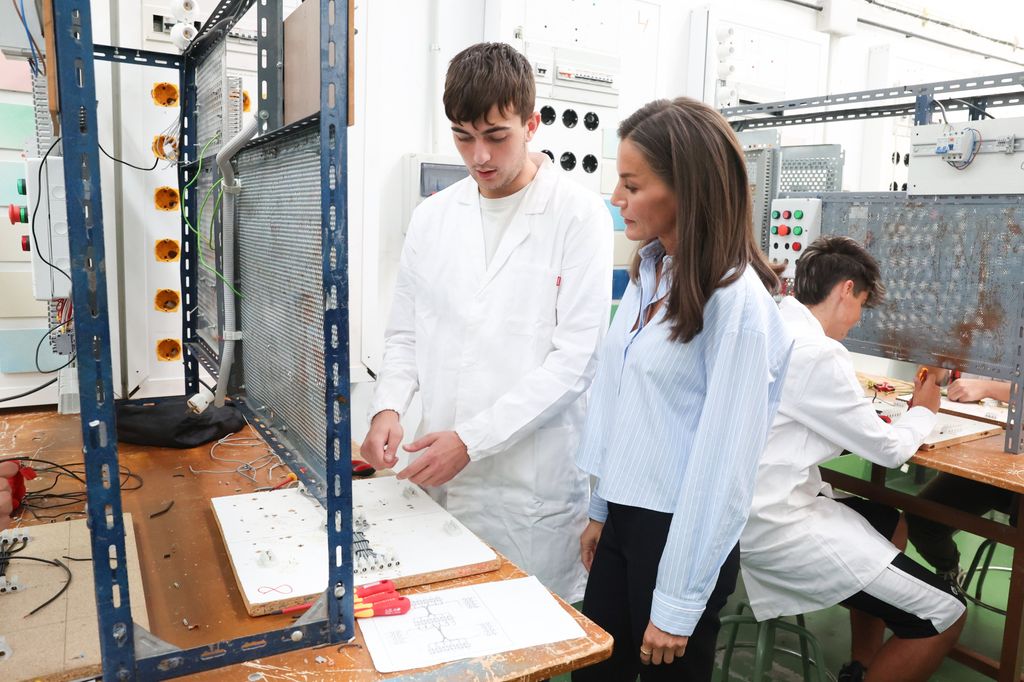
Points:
(798, 230)
(798, 214)
(775, 215)
(775, 229)
(22, 189)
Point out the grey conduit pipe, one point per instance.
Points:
(231, 188)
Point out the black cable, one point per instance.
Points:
(130, 165)
(973, 106)
(39, 195)
(30, 391)
(67, 583)
(40, 345)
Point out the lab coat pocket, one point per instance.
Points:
(528, 307)
(559, 484)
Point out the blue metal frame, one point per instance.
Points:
(334, 33)
(128, 651)
(77, 92)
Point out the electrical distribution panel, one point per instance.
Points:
(50, 229)
(794, 224)
(968, 157)
(425, 175)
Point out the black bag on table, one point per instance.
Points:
(170, 424)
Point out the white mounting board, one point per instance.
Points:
(468, 622)
(989, 173)
(429, 542)
(993, 412)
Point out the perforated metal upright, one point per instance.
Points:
(128, 651)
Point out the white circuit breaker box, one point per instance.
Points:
(50, 230)
(795, 223)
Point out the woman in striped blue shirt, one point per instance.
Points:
(688, 383)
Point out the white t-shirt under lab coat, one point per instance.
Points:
(801, 550)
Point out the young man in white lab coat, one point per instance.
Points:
(805, 549)
(502, 298)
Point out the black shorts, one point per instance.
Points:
(913, 601)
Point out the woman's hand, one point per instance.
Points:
(660, 647)
(588, 542)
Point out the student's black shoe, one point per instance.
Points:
(955, 579)
(851, 672)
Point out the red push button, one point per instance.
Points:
(24, 242)
(787, 215)
(796, 246)
(17, 214)
(783, 230)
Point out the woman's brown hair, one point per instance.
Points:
(695, 152)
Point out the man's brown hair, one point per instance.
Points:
(486, 75)
(833, 259)
(694, 151)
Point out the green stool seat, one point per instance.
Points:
(764, 646)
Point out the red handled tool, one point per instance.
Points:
(17, 483)
(364, 591)
(390, 607)
(361, 469)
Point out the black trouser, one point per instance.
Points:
(619, 595)
(934, 540)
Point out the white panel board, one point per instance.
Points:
(277, 540)
(997, 168)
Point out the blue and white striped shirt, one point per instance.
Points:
(680, 427)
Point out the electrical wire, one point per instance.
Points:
(942, 107)
(130, 165)
(39, 195)
(67, 583)
(37, 65)
(40, 345)
(961, 165)
(42, 499)
(29, 392)
(973, 106)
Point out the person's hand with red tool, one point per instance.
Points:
(7, 470)
(445, 457)
(926, 390)
(660, 647)
(380, 448)
(588, 542)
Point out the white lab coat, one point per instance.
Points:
(801, 550)
(503, 354)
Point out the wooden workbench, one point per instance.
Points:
(984, 461)
(187, 576)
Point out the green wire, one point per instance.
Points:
(199, 237)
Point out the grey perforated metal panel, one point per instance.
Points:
(281, 311)
(212, 100)
(953, 269)
(208, 322)
(762, 174)
(811, 168)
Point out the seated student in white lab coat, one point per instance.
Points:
(804, 548)
(501, 302)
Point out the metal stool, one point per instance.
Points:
(764, 647)
(981, 564)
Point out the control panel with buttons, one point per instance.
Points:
(795, 223)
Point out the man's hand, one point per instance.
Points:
(7, 470)
(660, 647)
(973, 390)
(445, 457)
(926, 391)
(588, 542)
(380, 449)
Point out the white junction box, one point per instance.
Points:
(795, 223)
(50, 228)
(967, 157)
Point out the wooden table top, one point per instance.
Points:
(980, 460)
(187, 575)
